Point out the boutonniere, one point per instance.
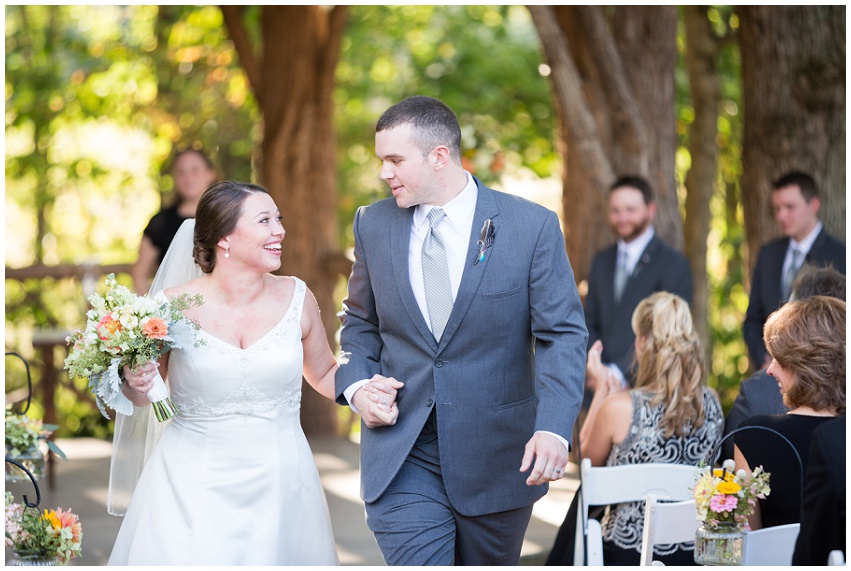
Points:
(486, 239)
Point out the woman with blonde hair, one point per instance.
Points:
(671, 417)
(806, 341)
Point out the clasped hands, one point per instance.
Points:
(598, 376)
(376, 401)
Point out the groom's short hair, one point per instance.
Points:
(434, 124)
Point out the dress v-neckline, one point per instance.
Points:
(262, 337)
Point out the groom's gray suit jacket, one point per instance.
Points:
(511, 360)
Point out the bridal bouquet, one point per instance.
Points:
(722, 495)
(53, 535)
(123, 328)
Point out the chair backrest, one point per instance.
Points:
(666, 523)
(836, 557)
(770, 546)
(605, 485)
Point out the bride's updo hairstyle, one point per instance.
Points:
(671, 362)
(218, 212)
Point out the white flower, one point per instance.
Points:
(729, 465)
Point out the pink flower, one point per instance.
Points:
(107, 327)
(722, 503)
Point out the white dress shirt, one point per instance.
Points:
(454, 229)
(633, 251)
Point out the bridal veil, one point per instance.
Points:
(136, 436)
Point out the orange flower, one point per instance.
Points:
(155, 328)
(107, 327)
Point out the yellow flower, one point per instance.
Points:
(52, 518)
(729, 488)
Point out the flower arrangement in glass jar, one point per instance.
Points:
(725, 499)
(49, 536)
(123, 328)
(23, 435)
(724, 495)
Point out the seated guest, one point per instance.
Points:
(670, 416)
(823, 514)
(760, 393)
(806, 341)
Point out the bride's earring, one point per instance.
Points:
(227, 252)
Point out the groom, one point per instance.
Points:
(463, 347)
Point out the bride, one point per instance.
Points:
(231, 481)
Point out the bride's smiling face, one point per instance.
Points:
(257, 238)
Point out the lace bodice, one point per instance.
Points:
(623, 524)
(217, 379)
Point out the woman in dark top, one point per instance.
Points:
(806, 340)
(193, 173)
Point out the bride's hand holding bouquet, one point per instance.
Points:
(124, 332)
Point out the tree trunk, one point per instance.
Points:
(793, 71)
(612, 79)
(292, 80)
(702, 52)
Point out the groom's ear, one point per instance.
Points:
(441, 157)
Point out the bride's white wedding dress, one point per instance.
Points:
(232, 481)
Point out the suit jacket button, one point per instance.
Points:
(429, 402)
(438, 363)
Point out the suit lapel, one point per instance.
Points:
(400, 238)
(473, 273)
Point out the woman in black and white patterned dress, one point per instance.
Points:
(671, 417)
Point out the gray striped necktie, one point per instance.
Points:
(789, 276)
(438, 292)
(621, 274)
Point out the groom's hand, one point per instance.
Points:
(550, 458)
(376, 401)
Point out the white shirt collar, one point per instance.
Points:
(458, 210)
(807, 243)
(635, 248)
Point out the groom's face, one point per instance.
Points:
(411, 176)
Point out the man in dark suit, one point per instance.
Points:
(760, 394)
(639, 264)
(463, 349)
(823, 509)
(795, 201)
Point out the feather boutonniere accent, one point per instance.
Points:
(486, 239)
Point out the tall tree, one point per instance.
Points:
(291, 73)
(701, 56)
(613, 77)
(793, 73)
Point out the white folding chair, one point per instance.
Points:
(836, 557)
(666, 523)
(770, 546)
(617, 484)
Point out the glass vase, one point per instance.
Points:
(30, 559)
(32, 459)
(719, 544)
